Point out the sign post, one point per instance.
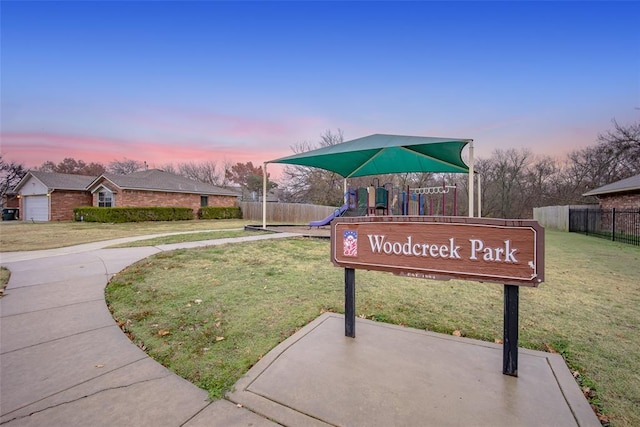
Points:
(349, 302)
(510, 331)
(504, 251)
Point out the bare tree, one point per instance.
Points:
(613, 158)
(126, 166)
(622, 144)
(169, 167)
(10, 175)
(503, 183)
(314, 185)
(205, 171)
(226, 166)
(542, 183)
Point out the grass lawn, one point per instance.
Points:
(209, 314)
(26, 236)
(192, 236)
(4, 279)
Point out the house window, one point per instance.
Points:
(105, 199)
(204, 201)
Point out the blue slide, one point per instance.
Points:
(338, 212)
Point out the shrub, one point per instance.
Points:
(231, 212)
(117, 215)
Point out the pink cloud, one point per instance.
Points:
(219, 128)
(33, 149)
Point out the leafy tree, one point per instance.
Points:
(249, 177)
(10, 175)
(74, 167)
(47, 166)
(94, 169)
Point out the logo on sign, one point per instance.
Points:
(350, 243)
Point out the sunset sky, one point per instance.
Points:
(170, 82)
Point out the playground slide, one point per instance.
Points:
(327, 220)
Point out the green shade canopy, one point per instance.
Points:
(384, 154)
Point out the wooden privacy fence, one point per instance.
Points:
(556, 217)
(289, 213)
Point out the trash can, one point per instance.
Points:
(9, 214)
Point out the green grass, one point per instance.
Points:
(4, 279)
(209, 314)
(27, 236)
(188, 237)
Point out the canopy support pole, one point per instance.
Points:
(344, 191)
(264, 196)
(471, 178)
(479, 196)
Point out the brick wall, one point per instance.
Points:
(11, 201)
(139, 199)
(63, 202)
(621, 201)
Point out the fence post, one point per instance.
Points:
(586, 222)
(613, 224)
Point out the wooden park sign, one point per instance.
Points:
(480, 249)
(510, 252)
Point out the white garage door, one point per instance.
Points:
(36, 208)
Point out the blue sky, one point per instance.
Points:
(168, 82)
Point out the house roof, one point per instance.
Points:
(57, 181)
(159, 180)
(628, 184)
(149, 180)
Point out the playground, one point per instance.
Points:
(382, 154)
(386, 199)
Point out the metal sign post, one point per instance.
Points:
(504, 251)
(349, 302)
(510, 332)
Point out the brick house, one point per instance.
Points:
(623, 194)
(619, 205)
(47, 196)
(50, 196)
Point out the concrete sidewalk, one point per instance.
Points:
(64, 362)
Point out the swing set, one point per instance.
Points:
(377, 200)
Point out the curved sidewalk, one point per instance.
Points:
(64, 362)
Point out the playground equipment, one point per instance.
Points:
(350, 203)
(424, 200)
(373, 200)
(387, 200)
